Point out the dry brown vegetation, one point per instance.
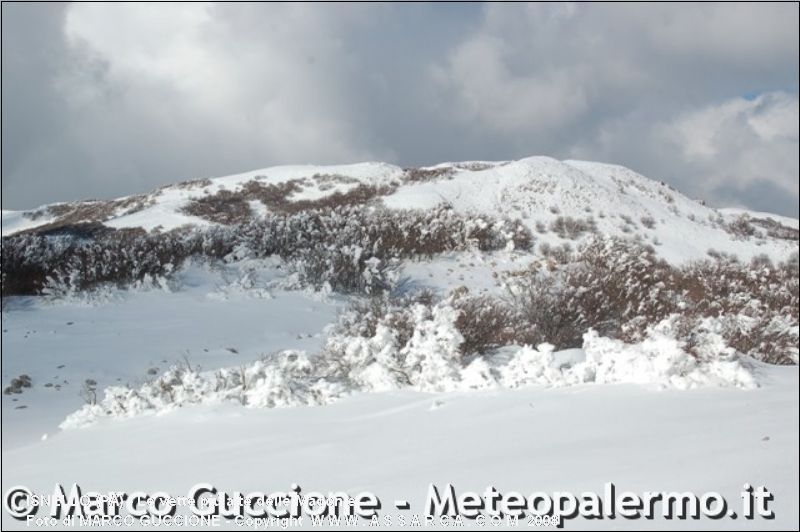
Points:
(350, 248)
(485, 323)
(191, 184)
(476, 166)
(571, 228)
(619, 289)
(744, 227)
(420, 175)
(224, 207)
(776, 229)
(230, 207)
(87, 212)
(648, 221)
(740, 228)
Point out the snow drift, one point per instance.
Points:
(429, 362)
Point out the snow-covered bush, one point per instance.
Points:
(659, 359)
(284, 379)
(545, 310)
(485, 323)
(621, 289)
(429, 359)
(68, 263)
(412, 344)
(572, 228)
(350, 249)
(740, 227)
(755, 304)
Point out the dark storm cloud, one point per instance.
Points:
(103, 100)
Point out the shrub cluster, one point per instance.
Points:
(232, 207)
(744, 227)
(572, 228)
(421, 175)
(621, 290)
(17, 384)
(424, 354)
(351, 249)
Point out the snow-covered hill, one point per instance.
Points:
(561, 201)
(232, 368)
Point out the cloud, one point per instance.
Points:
(109, 99)
(732, 34)
(741, 141)
(144, 94)
(279, 91)
(652, 87)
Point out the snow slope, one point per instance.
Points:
(571, 420)
(395, 444)
(528, 439)
(210, 320)
(537, 190)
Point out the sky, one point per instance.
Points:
(103, 100)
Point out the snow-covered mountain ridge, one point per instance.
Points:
(560, 201)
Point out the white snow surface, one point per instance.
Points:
(395, 443)
(646, 416)
(534, 189)
(15, 221)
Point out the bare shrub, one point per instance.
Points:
(350, 248)
(620, 289)
(756, 302)
(229, 207)
(224, 207)
(359, 195)
(648, 221)
(474, 166)
(615, 286)
(740, 227)
(273, 196)
(90, 212)
(421, 175)
(766, 338)
(561, 254)
(572, 228)
(485, 322)
(193, 183)
(776, 229)
(17, 384)
(89, 391)
(545, 312)
(334, 179)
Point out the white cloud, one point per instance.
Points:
(279, 90)
(740, 141)
(606, 82)
(552, 65)
(733, 33)
(117, 98)
(484, 90)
